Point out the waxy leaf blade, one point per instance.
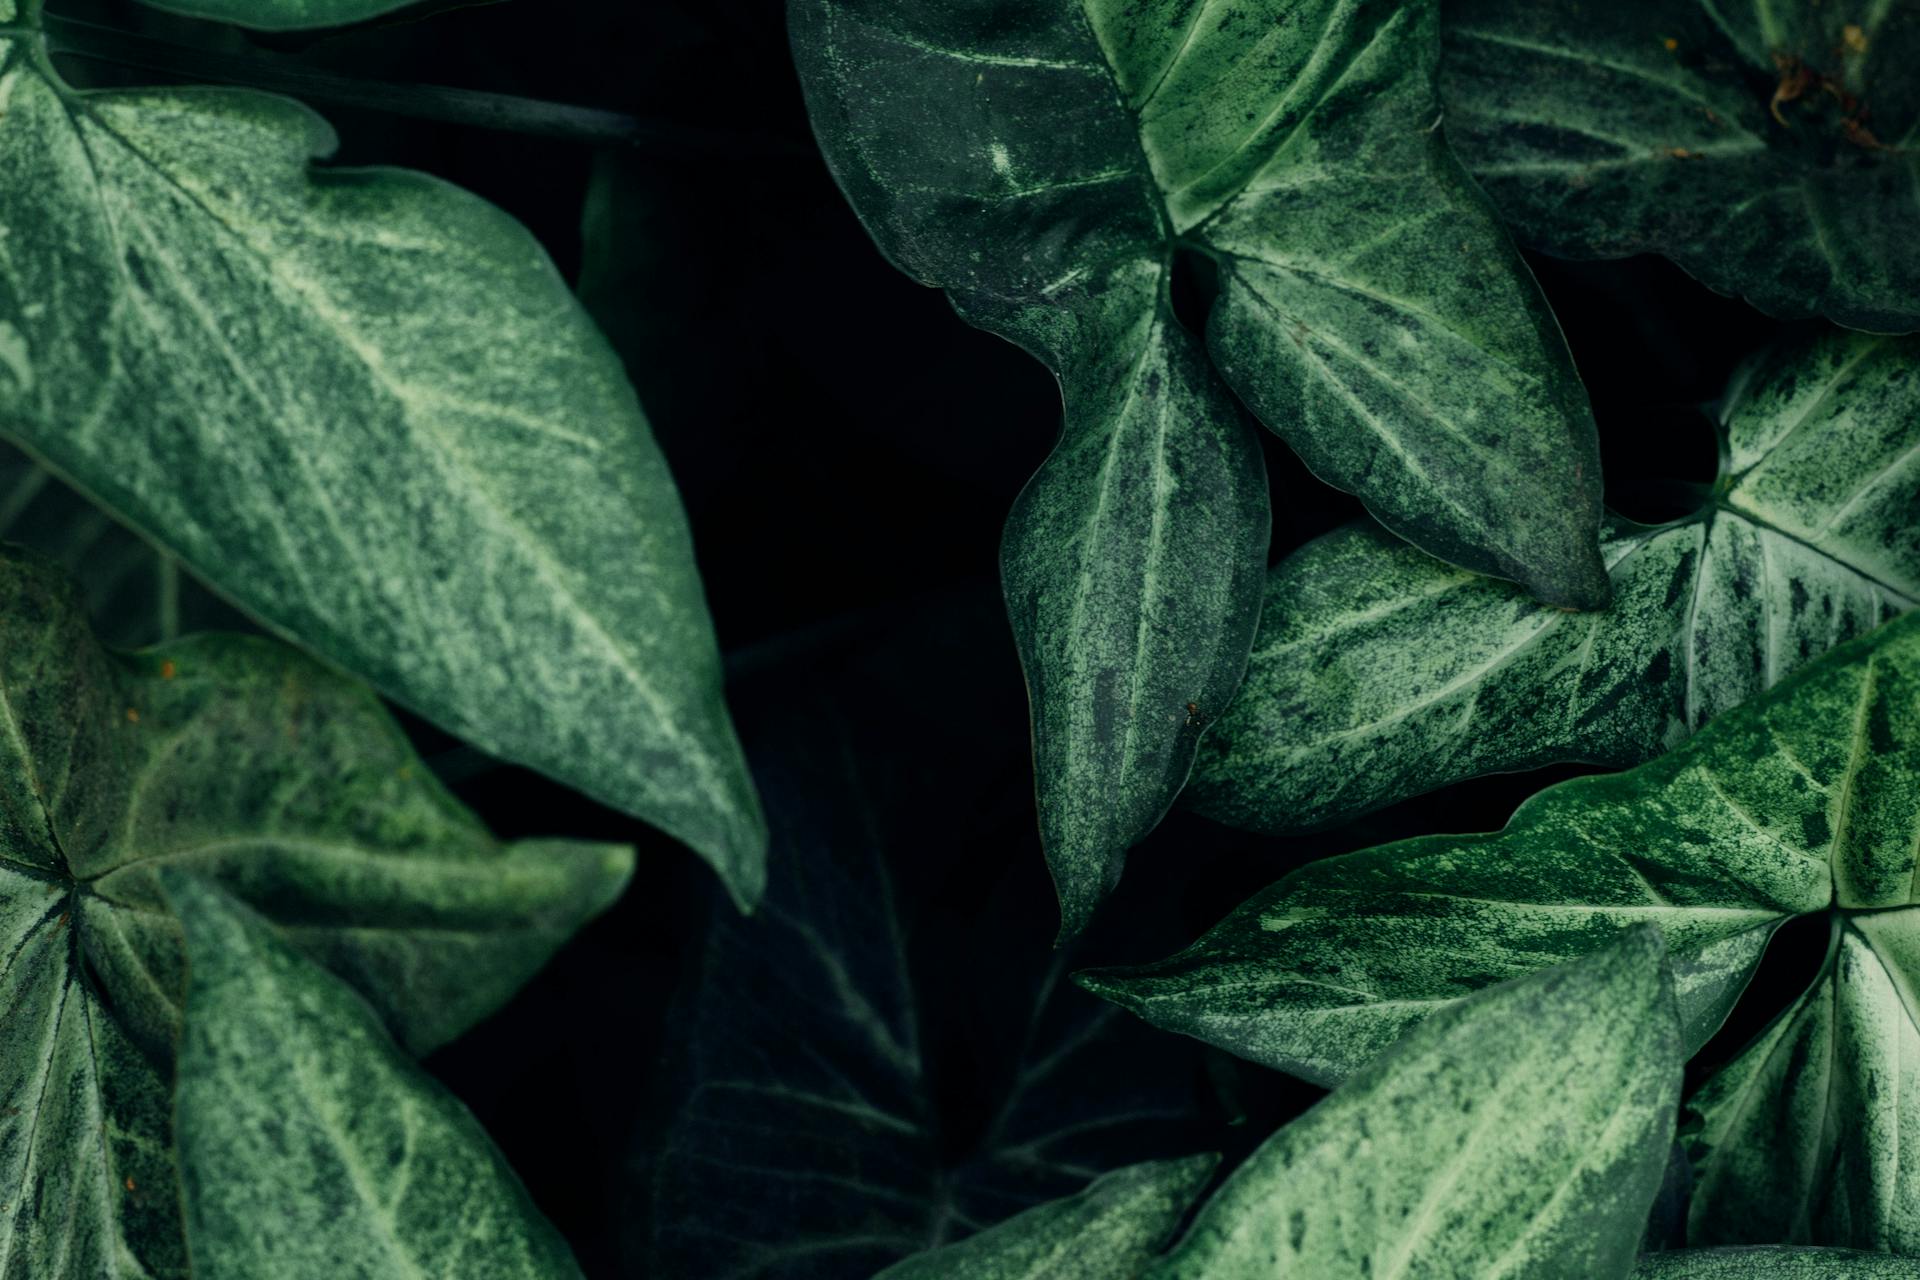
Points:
(1380, 673)
(1110, 1231)
(1522, 1132)
(1805, 1137)
(310, 1145)
(1796, 800)
(1046, 164)
(248, 764)
(1770, 150)
(363, 405)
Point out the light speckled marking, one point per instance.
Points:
(1110, 1231)
(311, 1147)
(1046, 165)
(1604, 128)
(1806, 1137)
(1805, 797)
(286, 784)
(1380, 673)
(364, 406)
(1522, 1133)
(1775, 1262)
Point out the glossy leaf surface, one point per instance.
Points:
(1052, 166)
(281, 15)
(1522, 1132)
(1804, 797)
(1380, 673)
(1110, 1231)
(291, 787)
(1772, 150)
(311, 1146)
(363, 405)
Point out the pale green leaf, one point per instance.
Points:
(1775, 1262)
(281, 15)
(1050, 164)
(1380, 673)
(364, 406)
(1805, 1136)
(310, 1146)
(1521, 1133)
(1110, 1231)
(1804, 797)
(1773, 150)
(242, 761)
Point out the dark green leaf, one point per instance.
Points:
(310, 1146)
(1803, 797)
(282, 15)
(1771, 150)
(815, 1135)
(1110, 1231)
(1380, 673)
(1052, 165)
(239, 760)
(1775, 1263)
(1522, 1132)
(136, 594)
(363, 405)
(1804, 1137)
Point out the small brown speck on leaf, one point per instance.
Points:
(167, 670)
(1853, 38)
(1670, 44)
(129, 1184)
(133, 715)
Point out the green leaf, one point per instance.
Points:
(1380, 673)
(1522, 1132)
(1053, 166)
(310, 1146)
(809, 1139)
(1804, 1137)
(364, 406)
(1775, 1263)
(1771, 150)
(289, 786)
(1110, 1231)
(281, 15)
(136, 594)
(1796, 800)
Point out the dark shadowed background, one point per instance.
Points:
(848, 448)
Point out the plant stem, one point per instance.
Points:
(279, 74)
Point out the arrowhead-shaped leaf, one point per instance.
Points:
(1522, 1132)
(364, 406)
(1799, 799)
(1380, 673)
(311, 1147)
(242, 761)
(1110, 1231)
(1053, 165)
(1805, 1137)
(1771, 150)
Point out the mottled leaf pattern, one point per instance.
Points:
(1775, 1262)
(1521, 1133)
(1804, 1137)
(281, 15)
(363, 405)
(1110, 1231)
(1048, 163)
(1380, 673)
(239, 760)
(311, 1147)
(1804, 797)
(1773, 150)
